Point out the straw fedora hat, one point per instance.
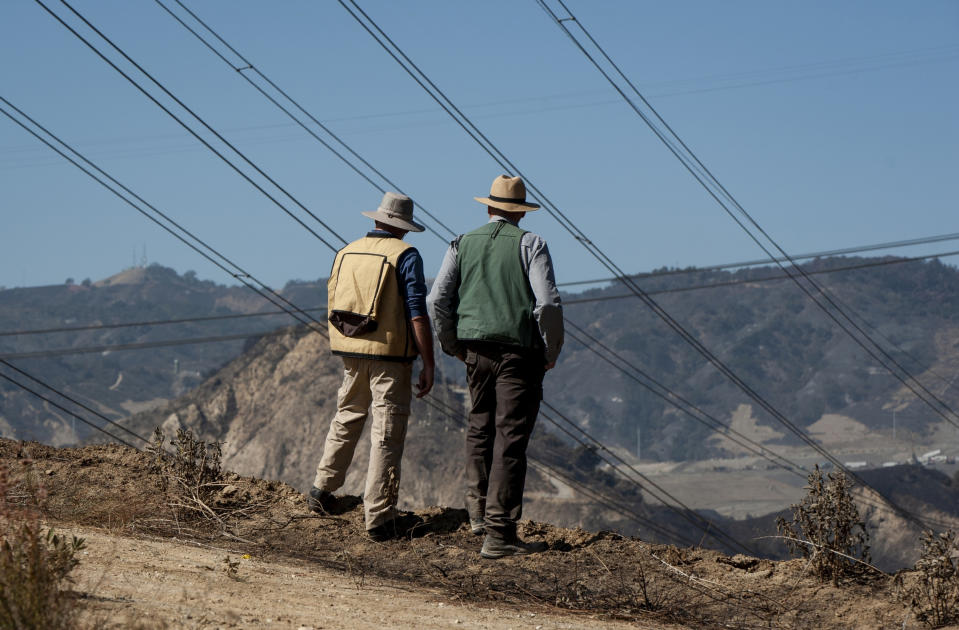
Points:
(396, 210)
(508, 193)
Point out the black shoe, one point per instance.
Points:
(399, 527)
(495, 547)
(320, 501)
(477, 526)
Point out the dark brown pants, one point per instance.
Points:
(506, 388)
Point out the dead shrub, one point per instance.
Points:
(933, 594)
(827, 529)
(35, 563)
(192, 473)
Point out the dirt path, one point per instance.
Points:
(152, 584)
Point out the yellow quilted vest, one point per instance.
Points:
(367, 317)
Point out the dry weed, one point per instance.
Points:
(827, 529)
(934, 593)
(35, 562)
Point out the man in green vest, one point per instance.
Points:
(378, 324)
(496, 307)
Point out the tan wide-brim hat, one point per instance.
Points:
(396, 210)
(508, 193)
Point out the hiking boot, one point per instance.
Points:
(477, 526)
(494, 547)
(398, 527)
(320, 501)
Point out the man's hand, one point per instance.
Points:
(423, 335)
(461, 356)
(550, 365)
(425, 383)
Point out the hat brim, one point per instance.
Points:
(382, 217)
(509, 207)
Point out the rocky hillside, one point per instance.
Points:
(776, 339)
(119, 371)
(273, 405)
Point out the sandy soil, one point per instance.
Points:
(176, 584)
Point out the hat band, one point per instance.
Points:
(507, 199)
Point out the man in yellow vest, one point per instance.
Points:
(378, 324)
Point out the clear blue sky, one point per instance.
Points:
(834, 123)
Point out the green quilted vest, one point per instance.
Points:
(495, 299)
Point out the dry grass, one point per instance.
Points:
(35, 562)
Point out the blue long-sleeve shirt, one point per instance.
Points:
(409, 273)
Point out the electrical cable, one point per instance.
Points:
(765, 261)
(716, 190)
(188, 128)
(730, 283)
(67, 411)
(249, 66)
(155, 322)
(143, 345)
(71, 399)
(240, 274)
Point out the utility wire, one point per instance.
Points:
(566, 302)
(730, 283)
(114, 186)
(766, 261)
(716, 190)
(144, 345)
(188, 128)
(71, 399)
(434, 92)
(248, 66)
(155, 322)
(67, 411)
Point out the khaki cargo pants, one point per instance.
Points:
(386, 385)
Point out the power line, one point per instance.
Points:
(71, 399)
(729, 283)
(155, 322)
(144, 345)
(566, 302)
(463, 121)
(67, 411)
(717, 191)
(765, 261)
(114, 186)
(188, 128)
(242, 71)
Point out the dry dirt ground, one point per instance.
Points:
(152, 562)
(159, 583)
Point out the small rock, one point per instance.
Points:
(228, 491)
(49, 472)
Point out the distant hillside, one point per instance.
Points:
(120, 382)
(767, 331)
(776, 339)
